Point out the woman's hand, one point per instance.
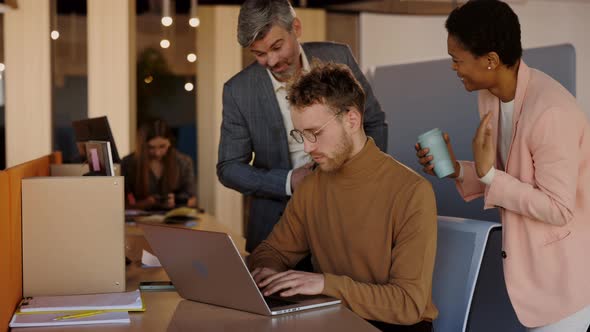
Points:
(192, 202)
(170, 203)
(144, 204)
(426, 161)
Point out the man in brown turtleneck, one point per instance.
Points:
(368, 221)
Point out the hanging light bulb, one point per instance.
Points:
(167, 21)
(194, 20)
(189, 86)
(53, 21)
(164, 43)
(166, 18)
(191, 57)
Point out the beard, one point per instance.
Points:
(286, 75)
(336, 159)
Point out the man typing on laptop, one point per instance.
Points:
(368, 221)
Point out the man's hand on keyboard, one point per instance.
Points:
(261, 273)
(291, 283)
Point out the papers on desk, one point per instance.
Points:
(135, 213)
(52, 319)
(127, 301)
(149, 260)
(182, 216)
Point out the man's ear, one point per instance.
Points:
(296, 25)
(354, 119)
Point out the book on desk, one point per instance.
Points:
(53, 319)
(77, 309)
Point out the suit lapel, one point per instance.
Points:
(271, 109)
(308, 53)
(522, 82)
(494, 107)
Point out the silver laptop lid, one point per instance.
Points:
(207, 267)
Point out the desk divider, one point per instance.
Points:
(8, 288)
(11, 286)
(75, 169)
(73, 232)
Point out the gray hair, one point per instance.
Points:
(257, 17)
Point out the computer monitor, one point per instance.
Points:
(95, 129)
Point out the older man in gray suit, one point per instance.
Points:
(256, 116)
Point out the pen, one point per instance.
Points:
(80, 315)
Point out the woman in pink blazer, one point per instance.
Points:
(532, 161)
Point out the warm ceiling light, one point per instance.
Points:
(54, 34)
(167, 21)
(194, 22)
(164, 43)
(189, 86)
(2, 66)
(191, 57)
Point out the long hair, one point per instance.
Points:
(146, 132)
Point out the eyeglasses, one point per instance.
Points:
(311, 136)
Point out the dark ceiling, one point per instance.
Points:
(183, 6)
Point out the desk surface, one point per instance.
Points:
(135, 242)
(167, 311)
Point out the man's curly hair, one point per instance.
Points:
(330, 84)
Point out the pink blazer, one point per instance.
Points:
(543, 197)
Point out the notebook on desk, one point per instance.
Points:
(207, 267)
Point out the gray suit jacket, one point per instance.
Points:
(252, 123)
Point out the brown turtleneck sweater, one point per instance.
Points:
(371, 230)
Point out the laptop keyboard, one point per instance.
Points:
(274, 302)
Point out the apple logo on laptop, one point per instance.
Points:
(200, 268)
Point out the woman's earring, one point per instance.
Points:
(489, 67)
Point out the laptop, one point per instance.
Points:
(207, 267)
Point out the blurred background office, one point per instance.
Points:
(65, 60)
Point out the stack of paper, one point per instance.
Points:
(77, 309)
(149, 260)
(128, 301)
(30, 320)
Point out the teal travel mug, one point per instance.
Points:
(434, 141)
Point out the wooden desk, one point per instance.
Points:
(135, 241)
(167, 311)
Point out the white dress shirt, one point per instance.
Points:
(296, 153)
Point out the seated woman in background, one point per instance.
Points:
(157, 175)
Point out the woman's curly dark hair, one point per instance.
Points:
(484, 26)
